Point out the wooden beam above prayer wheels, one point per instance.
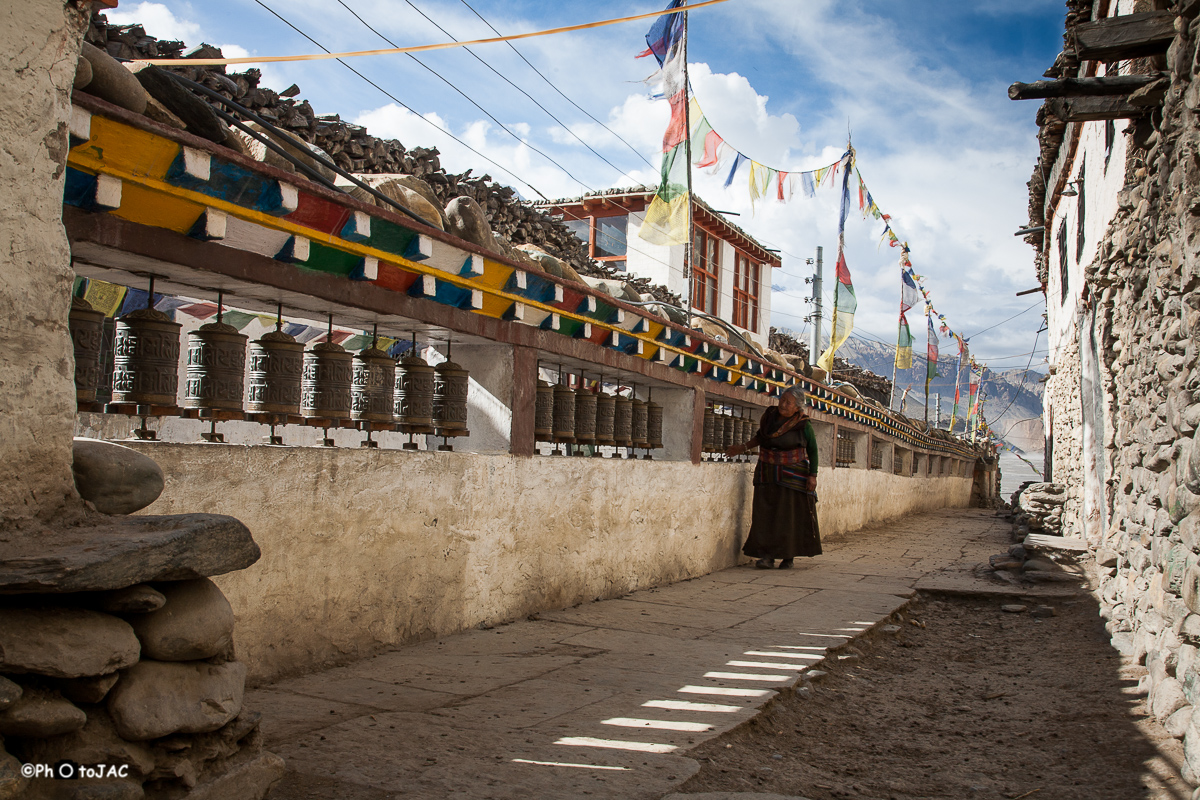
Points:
(1081, 87)
(1120, 38)
(1089, 109)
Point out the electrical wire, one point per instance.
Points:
(468, 98)
(1010, 319)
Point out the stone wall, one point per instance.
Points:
(362, 551)
(1066, 455)
(39, 42)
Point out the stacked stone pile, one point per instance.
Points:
(869, 384)
(355, 150)
(1038, 508)
(127, 659)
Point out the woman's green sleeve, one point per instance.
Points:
(810, 439)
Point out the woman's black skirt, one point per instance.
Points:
(784, 524)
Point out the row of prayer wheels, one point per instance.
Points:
(325, 385)
(725, 426)
(595, 418)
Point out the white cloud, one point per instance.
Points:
(158, 21)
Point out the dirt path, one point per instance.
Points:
(973, 703)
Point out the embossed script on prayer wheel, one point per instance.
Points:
(450, 383)
(276, 368)
(216, 368)
(709, 426)
(146, 359)
(107, 357)
(543, 413)
(585, 417)
(413, 397)
(623, 423)
(719, 443)
(87, 337)
(730, 432)
(606, 411)
(654, 423)
(640, 424)
(372, 386)
(564, 414)
(325, 385)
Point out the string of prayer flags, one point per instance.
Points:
(667, 218)
(845, 302)
(931, 371)
(908, 299)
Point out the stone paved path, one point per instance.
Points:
(604, 700)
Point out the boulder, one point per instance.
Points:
(251, 779)
(196, 114)
(12, 785)
(162, 115)
(9, 693)
(88, 690)
(398, 188)
(158, 698)
(260, 152)
(137, 599)
(96, 742)
(112, 82)
(561, 269)
(41, 713)
(125, 551)
(114, 478)
(64, 642)
(466, 219)
(196, 622)
(83, 76)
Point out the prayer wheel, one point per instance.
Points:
(623, 423)
(543, 413)
(710, 417)
(739, 429)
(564, 414)
(731, 432)
(325, 385)
(450, 383)
(585, 416)
(146, 359)
(87, 337)
(276, 368)
(412, 401)
(719, 443)
(606, 410)
(654, 425)
(107, 354)
(372, 386)
(640, 424)
(216, 368)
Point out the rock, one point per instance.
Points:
(41, 713)
(561, 269)
(1042, 612)
(96, 742)
(399, 190)
(890, 629)
(88, 690)
(12, 785)
(1177, 724)
(138, 599)
(83, 76)
(9, 693)
(125, 551)
(112, 82)
(158, 698)
(162, 115)
(466, 219)
(1106, 557)
(1167, 698)
(1004, 562)
(1040, 564)
(251, 779)
(64, 642)
(1013, 608)
(115, 478)
(303, 154)
(1018, 551)
(196, 114)
(195, 623)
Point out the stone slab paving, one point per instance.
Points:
(604, 700)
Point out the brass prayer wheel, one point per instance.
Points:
(654, 425)
(606, 410)
(450, 383)
(146, 359)
(543, 413)
(564, 414)
(276, 368)
(372, 386)
(623, 423)
(412, 400)
(216, 368)
(730, 432)
(639, 424)
(585, 416)
(719, 443)
(107, 355)
(325, 385)
(709, 442)
(739, 430)
(87, 338)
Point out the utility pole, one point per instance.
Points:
(814, 348)
(937, 409)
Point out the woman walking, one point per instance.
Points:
(784, 525)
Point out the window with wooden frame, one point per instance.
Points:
(605, 237)
(706, 271)
(745, 292)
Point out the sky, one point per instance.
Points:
(920, 87)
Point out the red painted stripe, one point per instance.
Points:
(394, 278)
(319, 214)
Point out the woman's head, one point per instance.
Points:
(791, 401)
